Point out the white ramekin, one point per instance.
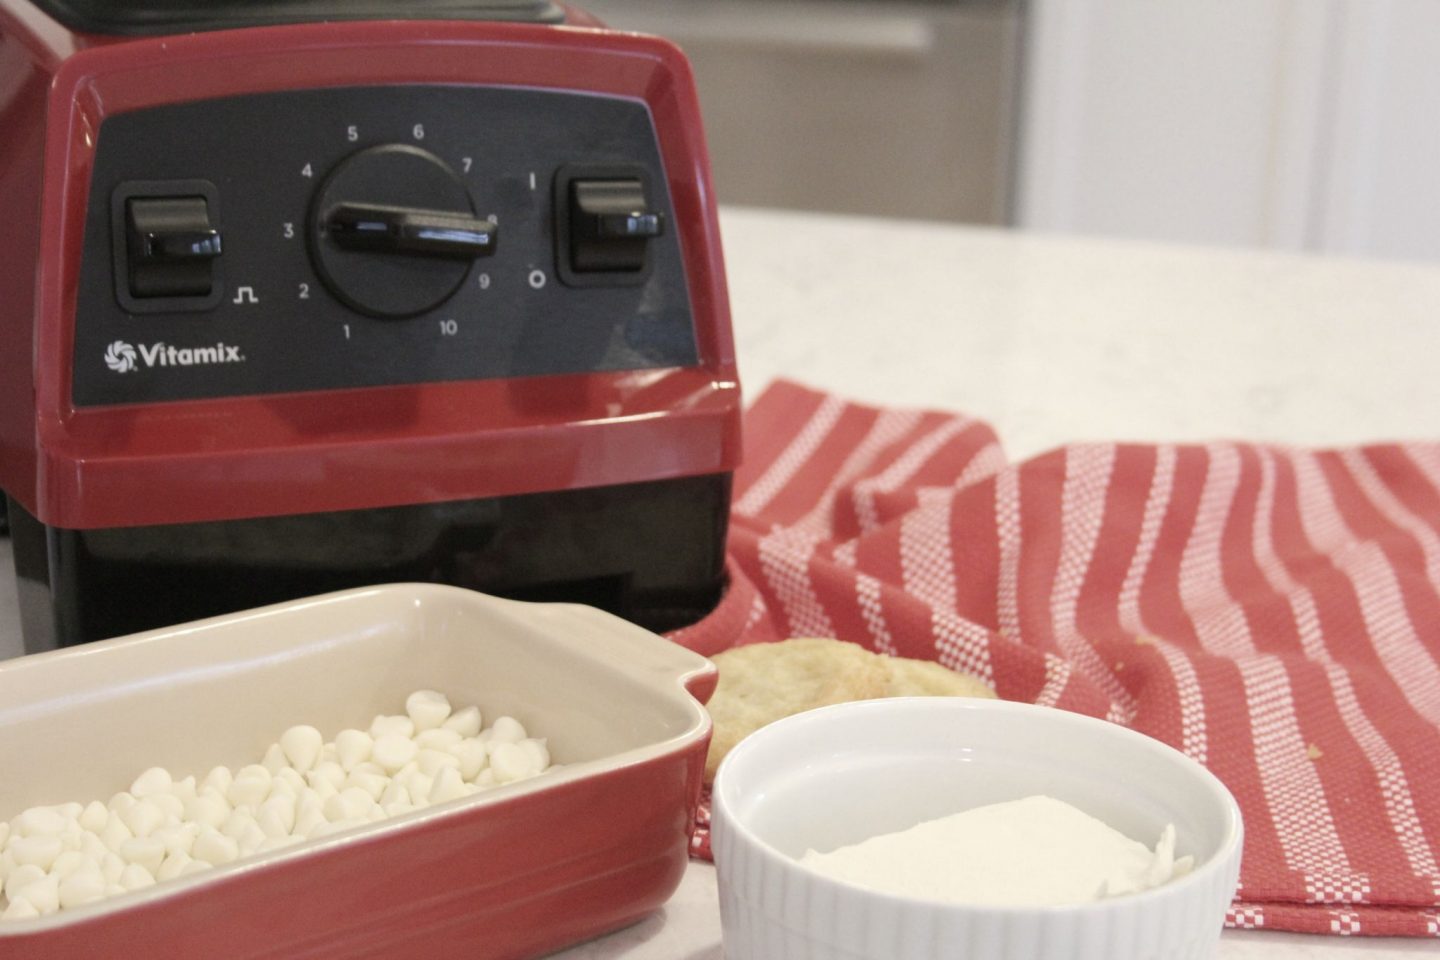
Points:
(840, 774)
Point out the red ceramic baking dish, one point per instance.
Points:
(512, 872)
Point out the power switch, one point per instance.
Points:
(171, 246)
(610, 225)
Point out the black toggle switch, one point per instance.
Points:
(171, 246)
(610, 226)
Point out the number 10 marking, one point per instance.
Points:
(448, 328)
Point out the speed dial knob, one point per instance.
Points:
(393, 231)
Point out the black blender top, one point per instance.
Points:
(155, 17)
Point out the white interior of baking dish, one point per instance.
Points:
(80, 724)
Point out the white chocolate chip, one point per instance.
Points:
(538, 752)
(352, 747)
(215, 848)
(373, 784)
(43, 894)
(472, 756)
(511, 762)
(171, 867)
(19, 910)
(327, 771)
(418, 785)
(275, 759)
(239, 818)
(136, 877)
(291, 779)
(21, 877)
(143, 818)
(284, 788)
(91, 845)
(218, 779)
(428, 708)
(437, 738)
(95, 816)
(115, 832)
(430, 762)
(39, 822)
(273, 843)
(466, 722)
(447, 786)
(302, 746)
(154, 780)
(507, 730)
(250, 838)
(250, 787)
(209, 809)
(68, 862)
(177, 838)
(185, 788)
(397, 726)
(307, 820)
(111, 866)
(276, 816)
(81, 887)
(324, 789)
(144, 852)
(350, 804)
(169, 804)
(393, 751)
(37, 850)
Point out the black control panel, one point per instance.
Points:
(367, 236)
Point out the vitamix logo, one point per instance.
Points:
(122, 357)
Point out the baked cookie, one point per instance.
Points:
(926, 678)
(763, 682)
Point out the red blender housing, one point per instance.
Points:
(301, 296)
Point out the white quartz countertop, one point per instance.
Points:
(1056, 340)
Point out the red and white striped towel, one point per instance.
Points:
(1273, 612)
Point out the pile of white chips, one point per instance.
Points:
(69, 854)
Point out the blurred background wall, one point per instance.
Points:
(1292, 124)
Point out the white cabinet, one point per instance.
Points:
(1298, 124)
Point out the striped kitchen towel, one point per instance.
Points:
(1273, 612)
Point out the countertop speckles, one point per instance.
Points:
(1053, 340)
